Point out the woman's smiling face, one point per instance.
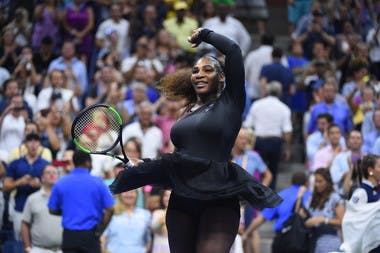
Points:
(205, 77)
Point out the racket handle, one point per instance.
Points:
(129, 165)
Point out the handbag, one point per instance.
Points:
(294, 237)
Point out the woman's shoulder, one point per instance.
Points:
(335, 198)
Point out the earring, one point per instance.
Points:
(371, 173)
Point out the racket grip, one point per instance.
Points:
(129, 165)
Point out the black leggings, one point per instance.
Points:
(197, 226)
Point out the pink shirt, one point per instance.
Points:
(323, 158)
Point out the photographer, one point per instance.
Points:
(12, 124)
(316, 31)
(27, 77)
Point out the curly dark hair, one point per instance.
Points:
(319, 199)
(178, 86)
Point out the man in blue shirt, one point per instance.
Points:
(86, 206)
(275, 71)
(24, 175)
(340, 111)
(371, 137)
(283, 211)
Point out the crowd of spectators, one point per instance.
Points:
(59, 56)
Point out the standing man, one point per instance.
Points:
(271, 120)
(85, 204)
(24, 175)
(41, 232)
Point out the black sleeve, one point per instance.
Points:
(234, 64)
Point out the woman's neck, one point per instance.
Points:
(204, 99)
(373, 181)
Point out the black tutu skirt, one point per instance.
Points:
(196, 178)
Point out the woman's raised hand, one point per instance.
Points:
(194, 38)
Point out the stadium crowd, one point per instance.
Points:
(60, 56)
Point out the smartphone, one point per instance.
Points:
(60, 163)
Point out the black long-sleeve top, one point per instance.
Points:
(210, 131)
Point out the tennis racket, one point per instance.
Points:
(97, 130)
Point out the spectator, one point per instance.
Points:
(329, 104)
(255, 166)
(114, 24)
(78, 22)
(101, 85)
(2, 199)
(359, 68)
(181, 26)
(144, 129)
(296, 192)
(21, 27)
(54, 124)
(8, 50)
(296, 10)
(167, 115)
(225, 24)
(139, 91)
(12, 124)
(319, 139)
(326, 213)
(325, 156)
(148, 77)
(275, 71)
(370, 138)
(373, 39)
(24, 175)
(45, 54)
(16, 153)
(47, 20)
(360, 102)
(129, 229)
(160, 233)
(146, 21)
(85, 204)
(254, 61)
(271, 120)
(10, 89)
(41, 231)
(4, 75)
(56, 92)
(74, 68)
(316, 31)
(27, 77)
(344, 161)
(140, 58)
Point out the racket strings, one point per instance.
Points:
(97, 129)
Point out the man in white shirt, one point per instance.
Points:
(229, 26)
(145, 130)
(12, 124)
(55, 93)
(271, 120)
(141, 58)
(114, 24)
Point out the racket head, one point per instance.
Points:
(97, 129)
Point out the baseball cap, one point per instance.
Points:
(180, 5)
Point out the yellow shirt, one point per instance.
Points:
(181, 31)
(20, 151)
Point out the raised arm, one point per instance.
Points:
(234, 64)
